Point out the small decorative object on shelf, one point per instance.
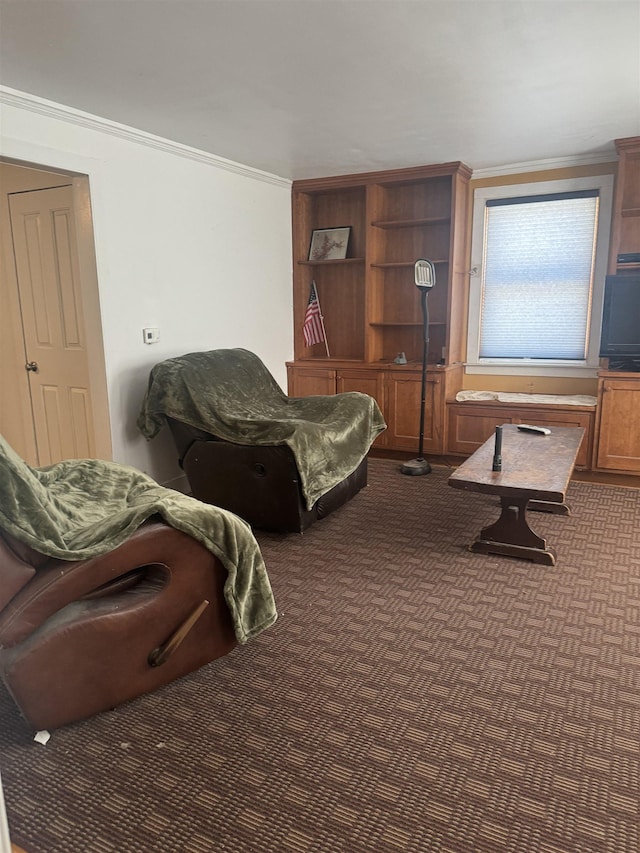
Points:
(329, 244)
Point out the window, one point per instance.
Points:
(539, 259)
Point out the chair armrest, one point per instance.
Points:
(60, 583)
(15, 572)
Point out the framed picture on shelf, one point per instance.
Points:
(329, 244)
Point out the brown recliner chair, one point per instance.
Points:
(259, 483)
(278, 462)
(77, 638)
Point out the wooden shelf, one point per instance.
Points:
(401, 323)
(338, 261)
(411, 223)
(391, 265)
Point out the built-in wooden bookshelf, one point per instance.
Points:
(625, 227)
(371, 306)
(617, 445)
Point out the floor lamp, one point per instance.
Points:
(425, 279)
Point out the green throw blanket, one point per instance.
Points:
(80, 508)
(230, 394)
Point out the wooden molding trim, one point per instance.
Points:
(31, 103)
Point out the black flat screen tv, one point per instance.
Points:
(620, 338)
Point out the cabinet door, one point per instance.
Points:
(469, 427)
(309, 381)
(369, 382)
(619, 437)
(403, 394)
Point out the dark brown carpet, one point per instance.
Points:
(411, 697)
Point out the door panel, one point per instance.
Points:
(52, 315)
(404, 392)
(619, 441)
(369, 382)
(310, 381)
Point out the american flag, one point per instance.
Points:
(313, 328)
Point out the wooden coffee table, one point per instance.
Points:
(535, 475)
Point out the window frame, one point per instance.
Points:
(586, 367)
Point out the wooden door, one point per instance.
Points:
(369, 382)
(403, 394)
(47, 268)
(471, 424)
(310, 381)
(619, 434)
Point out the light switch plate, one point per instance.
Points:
(151, 335)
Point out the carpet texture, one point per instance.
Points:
(412, 696)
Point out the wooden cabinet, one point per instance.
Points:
(625, 227)
(369, 382)
(366, 381)
(617, 445)
(404, 392)
(397, 391)
(307, 381)
(471, 424)
(618, 433)
(370, 304)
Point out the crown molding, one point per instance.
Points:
(548, 165)
(35, 104)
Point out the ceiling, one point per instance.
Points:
(306, 88)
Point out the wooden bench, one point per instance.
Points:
(471, 422)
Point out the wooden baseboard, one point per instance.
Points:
(604, 478)
(607, 478)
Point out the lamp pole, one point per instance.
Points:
(425, 279)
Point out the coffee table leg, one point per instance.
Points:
(511, 535)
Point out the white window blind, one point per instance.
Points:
(539, 254)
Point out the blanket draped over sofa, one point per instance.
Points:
(80, 508)
(230, 394)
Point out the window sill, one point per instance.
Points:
(575, 370)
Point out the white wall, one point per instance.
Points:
(193, 244)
